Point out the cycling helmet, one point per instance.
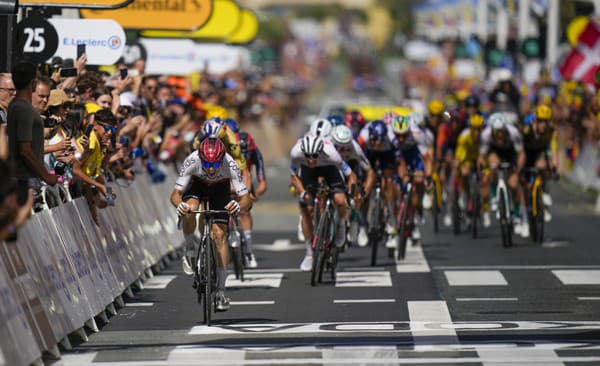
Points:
(472, 101)
(377, 130)
(543, 112)
(312, 146)
(321, 128)
(400, 125)
(497, 122)
(341, 135)
(216, 111)
(388, 117)
(246, 143)
(354, 119)
(435, 107)
(213, 128)
(212, 152)
(476, 121)
(418, 119)
(233, 125)
(336, 120)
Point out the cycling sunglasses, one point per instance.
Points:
(208, 165)
(311, 156)
(108, 128)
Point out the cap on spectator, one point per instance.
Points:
(59, 97)
(92, 108)
(128, 99)
(178, 101)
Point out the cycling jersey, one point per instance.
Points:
(228, 171)
(507, 149)
(409, 152)
(365, 141)
(536, 145)
(353, 153)
(447, 137)
(467, 149)
(423, 136)
(329, 157)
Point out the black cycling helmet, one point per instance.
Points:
(472, 101)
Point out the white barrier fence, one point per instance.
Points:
(64, 270)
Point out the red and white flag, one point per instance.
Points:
(584, 60)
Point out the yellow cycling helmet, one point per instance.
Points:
(435, 107)
(543, 112)
(476, 121)
(216, 112)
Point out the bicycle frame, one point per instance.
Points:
(324, 233)
(504, 205)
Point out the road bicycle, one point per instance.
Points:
(535, 204)
(405, 222)
(437, 202)
(205, 265)
(505, 205)
(324, 251)
(475, 202)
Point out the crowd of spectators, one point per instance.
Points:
(97, 129)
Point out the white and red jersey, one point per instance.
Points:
(228, 171)
(423, 136)
(328, 157)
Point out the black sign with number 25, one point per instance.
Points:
(37, 40)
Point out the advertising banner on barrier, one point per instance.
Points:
(104, 39)
(25, 287)
(18, 346)
(246, 30)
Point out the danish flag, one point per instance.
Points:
(583, 61)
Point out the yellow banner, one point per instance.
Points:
(247, 29)
(158, 14)
(373, 112)
(224, 20)
(84, 4)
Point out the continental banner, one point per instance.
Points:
(158, 14)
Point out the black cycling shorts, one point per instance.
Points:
(331, 175)
(218, 195)
(505, 155)
(387, 159)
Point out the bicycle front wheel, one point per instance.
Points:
(319, 247)
(539, 217)
(404, 226)
(505, 226)
(208, 271)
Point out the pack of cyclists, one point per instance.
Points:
(351, 156)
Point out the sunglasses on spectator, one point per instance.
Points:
(10, 90)
(108, 128)
(208, 165)
(311, 156)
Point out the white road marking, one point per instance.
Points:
(475, 278)
(273, 270)
(255, 280)
(135, 304)
(509, 267)
(158, 282)
(279, 245)
(195, 353)
(420, 312)
(413, 262)
(363, 279)
(578, 277)
(377, 354)
(589, 298)
(361, 301)
(252, 302)
(506, 356)
(487, 299)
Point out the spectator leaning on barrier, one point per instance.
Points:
(26, 134)
(7, 94)
(89, 169)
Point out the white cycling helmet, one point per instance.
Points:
(341, 135)
(311, 145)
(497, 121)
(212, 128)
(321, 127)
(418, 119)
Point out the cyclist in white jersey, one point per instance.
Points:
(208, 174)
(425, 142)
(313, 157)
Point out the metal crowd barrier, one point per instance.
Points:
(64, 270)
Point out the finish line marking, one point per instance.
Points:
(252, 302)
(135, 304)
(487, 299)
(361, 301)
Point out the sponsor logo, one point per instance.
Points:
(112, 42)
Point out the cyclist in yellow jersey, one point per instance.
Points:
(466, 156)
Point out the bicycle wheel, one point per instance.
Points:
(208, 270)
(375, 227)
(437, 205)
(455, 213)
(241, 255)
(539, 217)
(505, 226)
(475, 208)
(238, 266)
(319, 247)
(404, 226)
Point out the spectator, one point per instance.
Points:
(12, 215)
(41, 94)
(7, 94)
(26, 134)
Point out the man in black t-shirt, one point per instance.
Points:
(26, 134)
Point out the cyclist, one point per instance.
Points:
(313, 157)
(207, 173)
(254, 159)
(540, 144)
(467, 152)
(435, 117)
(472, 105)
(355, 120)
(501, 142)
(412, 160)
(335, 119)
(321, 127)
(351, 152)
(425, 141)
(377, 141)
(447, 137)
(216, 127)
